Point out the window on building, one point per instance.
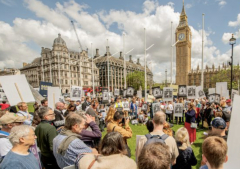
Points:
(85, 83)
(66, 82)
(86, 77)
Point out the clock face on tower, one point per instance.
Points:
(181, 36)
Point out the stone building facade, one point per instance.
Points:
(62, 67)
(116, 69)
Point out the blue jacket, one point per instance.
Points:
(190, 116)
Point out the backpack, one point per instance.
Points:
(155, 138)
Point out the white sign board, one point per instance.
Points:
(191, 92)
(234, 93)
(167, 94)
(221, 88)
(76, 93)
(178, 109)
(16, 89)
(211, 90)
(233, 136)
(139, 94)
(54, 96)
(200, 93)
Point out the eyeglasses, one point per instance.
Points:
(51, 114)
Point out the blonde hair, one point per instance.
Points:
(183, 137)
(110, 114)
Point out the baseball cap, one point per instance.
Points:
(228, 101)
(218, 123)
(11, 118)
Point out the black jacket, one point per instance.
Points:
(85, 105)
(186, 159)
(59, 120)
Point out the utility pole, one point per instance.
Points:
(166, 78)
(202, 79)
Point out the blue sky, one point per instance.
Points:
(16, 16)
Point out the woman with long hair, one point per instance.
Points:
(190, 118)
(186, 158)
(110, 114)
(112, 152)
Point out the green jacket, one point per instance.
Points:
(45, 133)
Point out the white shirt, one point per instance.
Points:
(169, 109)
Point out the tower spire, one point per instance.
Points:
(183, 9)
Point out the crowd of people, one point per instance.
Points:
(71, 134)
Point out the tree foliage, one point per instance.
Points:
(136, 79)
(225, 76)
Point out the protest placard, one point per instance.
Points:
(43, 86)
(76, 93)
(16, 89)
(54, 94)
(167, 94)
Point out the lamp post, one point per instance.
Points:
(232, 42)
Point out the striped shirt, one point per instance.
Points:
(75, 149)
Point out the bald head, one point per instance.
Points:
(59, 106)
(159, 118)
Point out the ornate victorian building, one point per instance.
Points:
(62, 67)
(116, 69)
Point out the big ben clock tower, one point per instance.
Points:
(183, 49)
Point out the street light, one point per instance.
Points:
(232, 42)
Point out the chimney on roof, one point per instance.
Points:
(24, 64)
(130, 59)
(138, 61)
(121, 56)
(97, 53)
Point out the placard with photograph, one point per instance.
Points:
(76, 93)
(155, 107)
(139, 94)
(167, 94)
(157, 92)
(178, 109)
(191, 92)
(182, 91)
(126, 106)
(200, 93)
(16, 89)
(54, 94)
(105, 96)
(116, 92)
(214, 98)
(130, 92)
(144, 107)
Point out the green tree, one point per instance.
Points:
(225, 76)
(136, 79)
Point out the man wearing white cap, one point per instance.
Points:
(8, 121)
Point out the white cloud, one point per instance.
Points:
(8, 2)
(188, 6)
(14, 40)
(221, 3)
(235, 23)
